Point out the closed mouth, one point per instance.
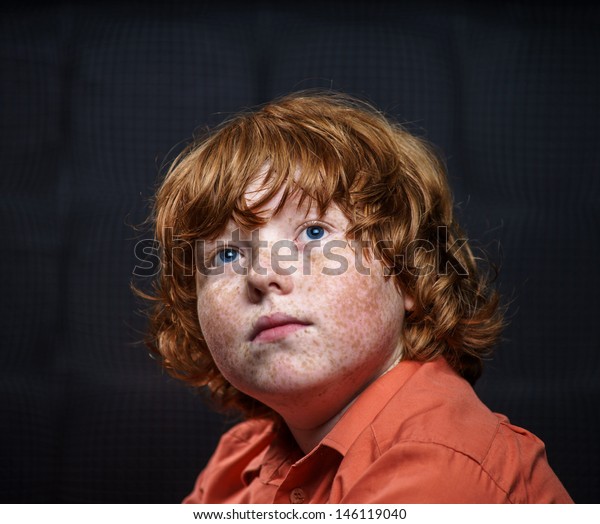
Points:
(273, 327)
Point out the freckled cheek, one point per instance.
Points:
(219, 317)
(327, 258)
(362, 308)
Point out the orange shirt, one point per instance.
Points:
(418, 434)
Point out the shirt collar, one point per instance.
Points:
(368, 405)
(282, 449)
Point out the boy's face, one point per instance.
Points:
(291, 318)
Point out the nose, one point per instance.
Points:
(267, 276)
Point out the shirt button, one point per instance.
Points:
(297, 496)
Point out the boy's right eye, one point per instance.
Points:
(226, 256)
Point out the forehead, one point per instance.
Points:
(267, 182)
(284, 205)
(269, 191)
(268, 195)
(291, 209)
(258, 188)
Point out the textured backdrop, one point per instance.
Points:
(97, 97)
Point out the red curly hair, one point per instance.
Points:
(390, 185)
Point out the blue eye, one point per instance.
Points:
(226, 256)
(315, 232)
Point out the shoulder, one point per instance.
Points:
(437, 406)
(244, 440)
(248, 430)
(239, 448)
(435, 441)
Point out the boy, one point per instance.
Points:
(314, 279)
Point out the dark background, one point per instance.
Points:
(97, 97)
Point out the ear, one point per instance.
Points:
(409, 302)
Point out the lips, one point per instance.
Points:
(276, 326)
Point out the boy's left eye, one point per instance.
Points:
(314, 232)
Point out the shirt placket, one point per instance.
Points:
(308, 480)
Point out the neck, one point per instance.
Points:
(308, 432)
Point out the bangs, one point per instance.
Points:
(255, 152)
